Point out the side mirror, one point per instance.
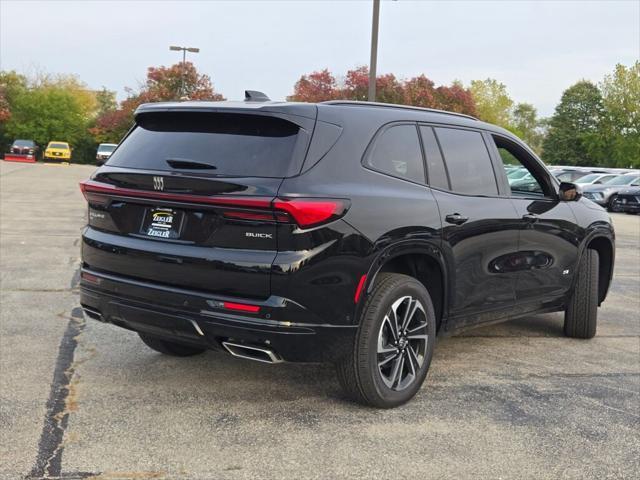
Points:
(569, 192)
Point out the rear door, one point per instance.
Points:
(185, 201)
(480, 228)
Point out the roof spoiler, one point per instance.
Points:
(255, 96)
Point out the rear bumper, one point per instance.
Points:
(198, 318)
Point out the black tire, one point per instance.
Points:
(360, 373)
(610, 206)
(169, 348)
(581, 315)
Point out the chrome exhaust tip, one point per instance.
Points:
(93, 314)
(249, 352)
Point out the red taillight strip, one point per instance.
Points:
(241, 307)
(306, 212)
(363, 279)
(91, 186)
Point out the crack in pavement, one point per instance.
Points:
(62, 397)
(49, 459)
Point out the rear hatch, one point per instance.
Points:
(186, 200)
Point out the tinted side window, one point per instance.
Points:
(436, 172)
(468, 161)
(397, 152)
(523, 179)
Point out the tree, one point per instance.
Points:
(162, 84)
(620, 128)
(573, 128)
(106, 101)
(318, 86)
(51, 109)
(526, 125)
(455, 98)
(493, 103)
(12, 84)
(418, 91)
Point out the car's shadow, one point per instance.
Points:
(218, 376)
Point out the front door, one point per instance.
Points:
(548, 239)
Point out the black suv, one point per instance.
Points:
(342, 232)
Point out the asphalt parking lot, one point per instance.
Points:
(87, 400)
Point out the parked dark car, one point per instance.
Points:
(342, 232)
(627, 200)
(24, 147)
(606, 193)
(23, 150)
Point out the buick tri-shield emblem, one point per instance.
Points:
(158, 183)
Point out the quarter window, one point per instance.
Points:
(436, 173)
(468, 161)
(397, 152)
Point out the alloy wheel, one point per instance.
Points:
(402, 343)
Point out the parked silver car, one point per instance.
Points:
(606, 193)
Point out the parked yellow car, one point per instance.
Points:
(58, 151)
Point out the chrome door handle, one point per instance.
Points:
(456, 218)
(530, 217)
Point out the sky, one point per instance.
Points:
(536, 48)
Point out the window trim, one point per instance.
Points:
(426, 161)
(368, 151)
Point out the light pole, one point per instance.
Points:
(184, 58)
(374, 50)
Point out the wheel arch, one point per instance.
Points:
(606, 254)
(423, 262)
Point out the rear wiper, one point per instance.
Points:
(189, 164)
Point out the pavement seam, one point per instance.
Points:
(49, 458)
(61, 401)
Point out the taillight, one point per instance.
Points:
(310, 212)
(305, 212)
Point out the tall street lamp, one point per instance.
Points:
(184, 58)
(374, 50)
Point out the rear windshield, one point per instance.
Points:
(23, 143)
(219, 144)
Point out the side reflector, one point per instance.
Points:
(91, 278)
(241, 307)
(363, 280)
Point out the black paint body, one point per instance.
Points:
(495, 266)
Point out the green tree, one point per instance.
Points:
(493, 103)
(620, 128)
(573, 137)
(106, 100)
(526, 125)
(53, 108)
(12, 84)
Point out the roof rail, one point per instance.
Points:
(393, 105)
